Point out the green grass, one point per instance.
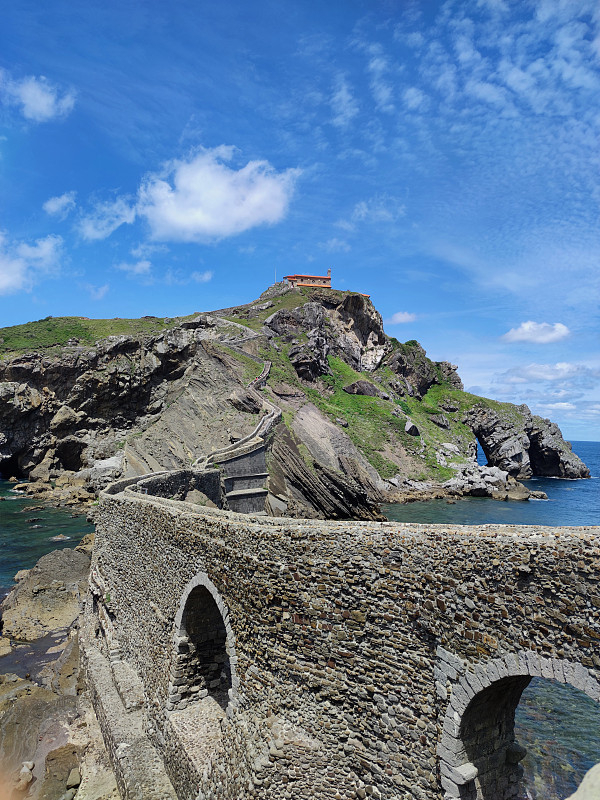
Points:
(251, 368)
(298, 297)
(55, 332)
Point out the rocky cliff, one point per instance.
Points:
(363, 417)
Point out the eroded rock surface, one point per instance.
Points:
(523, 444)
(48, 597)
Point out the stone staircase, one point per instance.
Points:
(243, 463)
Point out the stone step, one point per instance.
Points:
(247, 493)
(235, 483)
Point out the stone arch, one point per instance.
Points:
(204, 662)
(478, 756)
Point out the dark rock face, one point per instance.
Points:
(310, 359)
(334, 495)
(417, 372)
(351, 329)
(365, 388)
(449, 371)
(522, 444)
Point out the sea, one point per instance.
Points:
(558, 725)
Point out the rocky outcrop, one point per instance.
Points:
(48, 597)
(365, 388)
(473, 480)
(50, 741)
(522, 444)
(416, 373)
(300, 488)
(351, 329)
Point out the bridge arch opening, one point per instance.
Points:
(203, 665)
(480, 756)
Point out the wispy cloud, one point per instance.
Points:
(97, 292)
(400, 318)
(343, 104)
(22, 264)
(60, 206)
(203, 199)
(378, 209)
(537, 332)
(142, 267)
(38, 99)
(106, 218)
(336, 245)
(202, 277)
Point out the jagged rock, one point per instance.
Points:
(245, 401)
(48, 598)
(65, 417)
(523, 444)
(310, 359)
(449, 372)
(411, 428)
(332, 494)
(478, 481)
(365, 388)
(410, 362)
(352, 328)
(440, 420)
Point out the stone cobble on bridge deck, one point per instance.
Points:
(361, 651)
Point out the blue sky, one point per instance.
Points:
(442, 156)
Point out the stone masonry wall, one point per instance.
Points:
(360, 648)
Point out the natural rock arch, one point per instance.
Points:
(479, 758)
(204, 660)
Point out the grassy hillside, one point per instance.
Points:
(55, 332)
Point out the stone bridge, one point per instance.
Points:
(232, 657)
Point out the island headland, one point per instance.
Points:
(355, 417)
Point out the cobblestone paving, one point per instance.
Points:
(199, 728)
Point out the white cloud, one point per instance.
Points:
(138, 268)
(563, 372)
(97, 292)
(38, 99)
(336, 245)
(415, 99)
(558, 406)
(60, 206)
(381, 208)
(106, 218)
(537, 332)
(21, 263)
(205, 200)
(202, 277)
(145, 249)
(343, 104)
(400, 317)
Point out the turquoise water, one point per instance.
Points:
(558, 725)
(26, 532)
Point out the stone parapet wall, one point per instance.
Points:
(353, 641)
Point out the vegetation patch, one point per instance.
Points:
(56, 332)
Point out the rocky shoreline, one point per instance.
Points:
(51, 747)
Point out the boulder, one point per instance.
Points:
(365, 388)
(411, 428)
(589, 788)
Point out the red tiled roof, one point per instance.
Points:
(314, 277)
